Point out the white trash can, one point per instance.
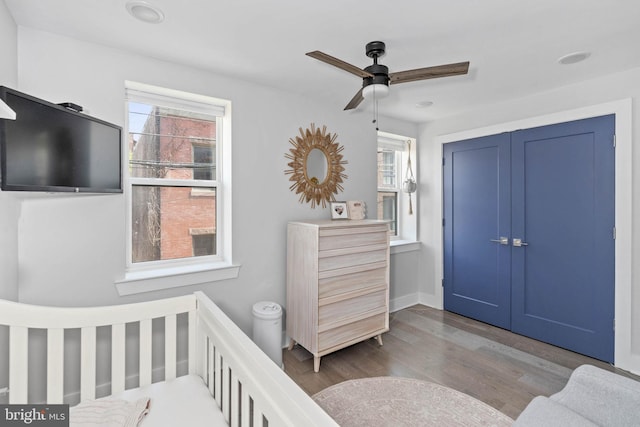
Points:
(267, 329)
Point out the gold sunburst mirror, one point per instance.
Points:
(316, 166)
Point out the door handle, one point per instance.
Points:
(502, 240)
(518, 242)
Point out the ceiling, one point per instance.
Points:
(513, 45)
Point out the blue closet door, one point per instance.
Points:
(476, 216)
(529, 233)
(563, 198)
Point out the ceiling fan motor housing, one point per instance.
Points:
(375, 49)
(380, 72)
(380, 75)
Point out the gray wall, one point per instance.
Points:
(71, 248)
(9, 208)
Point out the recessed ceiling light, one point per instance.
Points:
(574, 57)
(145, 12)
(424, 104)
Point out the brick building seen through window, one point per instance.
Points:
(174, 201)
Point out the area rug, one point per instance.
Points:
(393, 401)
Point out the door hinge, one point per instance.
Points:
(443, 161)
(443, 283)
(614, 233)
(614, 325)
(614, 140)
(443, 222)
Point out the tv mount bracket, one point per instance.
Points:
(71, 106)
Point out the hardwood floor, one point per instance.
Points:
(500, 368)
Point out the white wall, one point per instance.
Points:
(71, 248)
(9, 208)
(560, 103)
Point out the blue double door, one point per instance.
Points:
(529, 233)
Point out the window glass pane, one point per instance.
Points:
(170, 143)
(387, 173)
(166, 222)
(387, 208)
(203, 162)
(203, 244)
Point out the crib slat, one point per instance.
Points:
(193, 369)
(55, 366)
(210, 370)
(88, 363)
(217, 365)
(245, 402)
(170, 347)
(225, 390)
(117, 358)
(235, 401)
(145, 352)
(257, 416)
(18, 364)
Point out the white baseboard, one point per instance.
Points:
(429, 300)
(405, 301)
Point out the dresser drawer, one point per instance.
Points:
(351, 280)
(340, 311)
(351, 331)
(331, 260)
(352, 240)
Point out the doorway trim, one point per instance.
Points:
(623, 358)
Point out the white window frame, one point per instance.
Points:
(406, 223)
(165, 274)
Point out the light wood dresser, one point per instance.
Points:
(337, 284)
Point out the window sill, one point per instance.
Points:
(400, 246)
(167, 278)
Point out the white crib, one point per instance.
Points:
(246, 386)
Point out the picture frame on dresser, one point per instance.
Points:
(339, 210)
(357, 209)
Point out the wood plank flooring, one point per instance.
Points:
(500, 368)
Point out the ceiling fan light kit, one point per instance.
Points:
(376, 77)
(375, 90)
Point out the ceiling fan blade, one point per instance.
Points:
(447, 70)
(355, 101)
(339, 63)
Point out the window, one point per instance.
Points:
(388, 169)
(176, 186)
(393, 203)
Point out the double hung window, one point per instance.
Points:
(393, 204)
(176, 186)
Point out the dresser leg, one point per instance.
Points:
(379, 338)
(292, 343)
(316, 364)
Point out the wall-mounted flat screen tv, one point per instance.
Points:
(54, 149)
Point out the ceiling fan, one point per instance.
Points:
(376, 77)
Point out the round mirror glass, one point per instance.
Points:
(316, 166)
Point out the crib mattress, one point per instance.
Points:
(184, 401)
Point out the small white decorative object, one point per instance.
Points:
(357, 209)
